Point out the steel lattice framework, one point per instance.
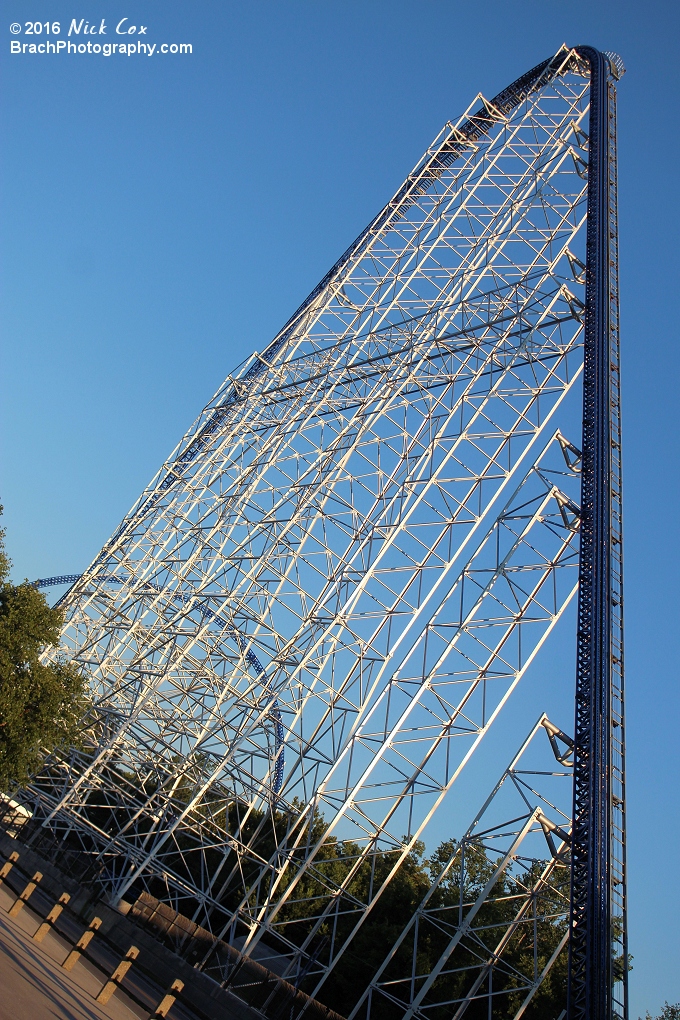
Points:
(302, 631)
(522, 810)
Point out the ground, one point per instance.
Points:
(34, 987)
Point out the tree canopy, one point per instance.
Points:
(667, 1013)
(40, 704)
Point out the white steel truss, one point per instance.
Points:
(501, 897)
(303, 629)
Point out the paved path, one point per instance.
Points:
(34, 987)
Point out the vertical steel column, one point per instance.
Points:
(597, 841)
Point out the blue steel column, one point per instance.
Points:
(591, 971)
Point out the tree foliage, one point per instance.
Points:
(40, 704)
(667, 1013)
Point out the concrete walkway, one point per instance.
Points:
(34, 987)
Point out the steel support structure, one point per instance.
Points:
(598, 907)
(526, 818)
(299, 636)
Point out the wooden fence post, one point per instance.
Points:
(82, 944)
(51, 917)
(119, 973)
(168, 1000)
(19, 902)
(8, 865)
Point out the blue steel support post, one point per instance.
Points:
(591, 966)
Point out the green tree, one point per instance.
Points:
(667, 1013)
(40, 705)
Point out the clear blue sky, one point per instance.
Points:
(162, 216)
